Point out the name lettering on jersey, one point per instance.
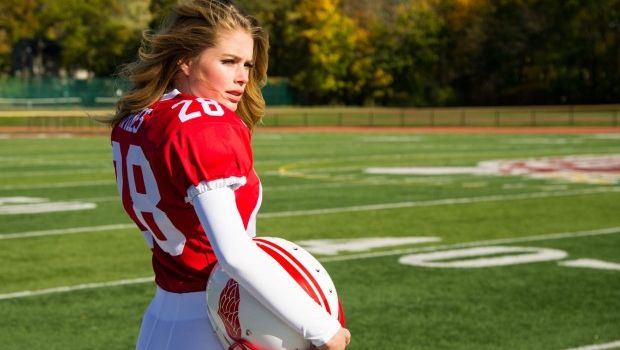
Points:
(189, 109)
(134, 121)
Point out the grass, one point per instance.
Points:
(315, 187)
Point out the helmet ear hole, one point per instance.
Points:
(232, 309)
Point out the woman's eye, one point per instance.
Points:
(228, 61)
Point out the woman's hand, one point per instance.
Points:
(339, 341)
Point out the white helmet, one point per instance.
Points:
(242, 322)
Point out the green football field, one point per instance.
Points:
(434, 241)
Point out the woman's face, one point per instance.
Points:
(221, 72)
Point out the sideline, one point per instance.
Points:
(358, 208)
(545, 237)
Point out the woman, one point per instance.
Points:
(185, 174)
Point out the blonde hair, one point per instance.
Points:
(191, 27)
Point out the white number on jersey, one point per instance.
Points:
(168, 237)
(209, 107)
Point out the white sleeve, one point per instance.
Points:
(256, 271)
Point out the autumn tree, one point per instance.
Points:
(333, 57)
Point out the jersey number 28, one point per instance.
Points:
(145, 196)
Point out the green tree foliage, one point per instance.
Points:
(533, 51)
(589, 67)
(325, 34)
(335, 64)
(17, 20)
(277, 16)
(410, 50)
(96, 35)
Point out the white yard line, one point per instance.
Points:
(66, 231)
(553, 236)
(58, 185)
(64, 289)
(436, 202)
(429, 203)
(606, 346)
(22, 174)
(591, 264)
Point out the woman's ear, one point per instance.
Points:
(185, 66)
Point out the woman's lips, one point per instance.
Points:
(234, 96)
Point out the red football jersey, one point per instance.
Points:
(163, 157)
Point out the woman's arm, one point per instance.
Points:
(257, 272)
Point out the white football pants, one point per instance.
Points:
(176, 321)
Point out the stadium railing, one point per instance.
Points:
(76, 120)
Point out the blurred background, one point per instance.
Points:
(418, 53)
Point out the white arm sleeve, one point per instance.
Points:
(256, 271)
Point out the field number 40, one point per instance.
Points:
(491, 256)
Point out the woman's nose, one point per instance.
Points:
(242, 76)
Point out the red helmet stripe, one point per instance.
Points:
(340, 313)
(294, 271)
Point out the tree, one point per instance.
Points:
(96, 34)
(93, 35)
(533, 51)
(410, 50)
(333, 54)
(18, 19)
(591, 64)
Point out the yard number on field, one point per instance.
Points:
(472, 257)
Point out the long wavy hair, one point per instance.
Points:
(191, 27)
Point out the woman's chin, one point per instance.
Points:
(230, 105)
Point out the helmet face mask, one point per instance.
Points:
(242, 322)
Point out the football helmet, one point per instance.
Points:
(243, 323)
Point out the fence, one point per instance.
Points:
(595, 115)
(80, 120)
(100, 94)
(62, 93)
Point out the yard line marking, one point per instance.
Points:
(591, 264)
(64, 289)
(545, 237)
(21, 174)
(66, 231)
(447, 201)
(612, 345)
(604, 231)
(57, 185)
(23, 162)
(100, 199)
